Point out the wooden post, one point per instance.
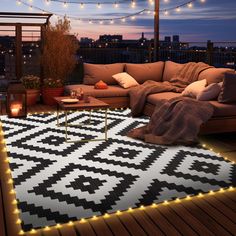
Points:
(156, 30)
(18, 59)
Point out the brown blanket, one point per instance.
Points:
(177, 121)
(188, 74)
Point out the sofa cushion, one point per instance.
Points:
(93, 73)
(170, 69)
(228, 90)
(214, 75)
(161, 97)
(125, 80)
(221, 109)
(112, 91)
(146, 71)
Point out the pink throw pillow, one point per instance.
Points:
(210, 92)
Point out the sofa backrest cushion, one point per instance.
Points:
(146, 71)
(228, 94)
(214, 75)
(93, 73)
(170, 70)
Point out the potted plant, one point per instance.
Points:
(58, 59)
(51, 88)
(32, 86)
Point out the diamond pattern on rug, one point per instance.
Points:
(57, 182)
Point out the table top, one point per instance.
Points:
(93, 104)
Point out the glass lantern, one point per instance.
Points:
(16, 101)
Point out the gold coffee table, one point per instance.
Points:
(94, 104)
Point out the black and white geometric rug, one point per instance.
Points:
(57, 182)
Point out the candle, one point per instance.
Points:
(15, 109)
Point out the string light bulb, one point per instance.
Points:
(116, 5)
(65, 4)
(178, 9)
(18, 2)
(99, 6)
(190, 5)
(151, 2)
(47, 2)
(166, 13)
(81, 5)
(133, 4)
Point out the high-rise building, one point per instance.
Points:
(167, 39)
(175, 38)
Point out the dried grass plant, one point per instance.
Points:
(59, 52)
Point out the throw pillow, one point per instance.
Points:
(228, 90)
(125, 80)
(93, 73)
(210, 92)
(100, 85)
(195, 88)
(146, 71)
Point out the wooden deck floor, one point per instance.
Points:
(211, 214)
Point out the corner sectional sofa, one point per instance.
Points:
(224, 117)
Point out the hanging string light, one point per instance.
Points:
(123, 19)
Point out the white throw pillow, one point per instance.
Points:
(125, 80)
(211, 92)
(195, 88)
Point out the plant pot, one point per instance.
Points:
(48, 95)
(32, 96)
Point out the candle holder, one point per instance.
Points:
(16, 101)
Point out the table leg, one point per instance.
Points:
(66, 125)
(105, 124)
(57, 115)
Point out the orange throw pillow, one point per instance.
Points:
(100, 85)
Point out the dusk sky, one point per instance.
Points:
(213, 19)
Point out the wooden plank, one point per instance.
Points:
(84, 229)
(116, 226)
(67, 230)
(173, 218)
(148, 225)
(2, 223)
(200, 228)
(226, 200)
(51, 232)
(131, 224)
(35, 233)
(100, 227)
(231, 195)
(224, 209)
(162, 222)
(204, 218)
(227, 224)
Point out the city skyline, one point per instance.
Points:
(212, 20)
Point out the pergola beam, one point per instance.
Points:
(156, 30)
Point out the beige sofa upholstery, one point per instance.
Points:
(223, 120)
